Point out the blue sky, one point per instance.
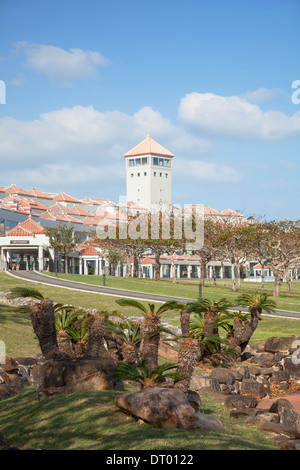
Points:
(209, 80)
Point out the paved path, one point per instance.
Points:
(35, 276)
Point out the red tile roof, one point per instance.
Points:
(27, 228)
(89, 251)
(63, 197)
(148, 146)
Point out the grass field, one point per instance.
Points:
(90, 420)
(190, 288)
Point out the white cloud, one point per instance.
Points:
(60, 65)
(206, 172)
(234, 117)
(261, 94)
(81, 146)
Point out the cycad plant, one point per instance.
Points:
(64, 318)
(244, 325)
(150, 328)
(130, 336)
(140, 374)
(43, 321)
(211, 311)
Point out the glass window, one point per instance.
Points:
(160, 174)
(154, 161)
(131, 162)
(131, 175)
(137, 161)
(139, 174)
(167, 162)
(167, 175)
(161, 162)
(145, 173)
(155, 173)
(144, 161)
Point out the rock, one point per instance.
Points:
(290, 444)
(247, 413)
(282, 429)
(287, 413)
(167, 408)
(56, 377)
(194, 400)
(275, 344)
(256, 389)
(223, 376)
(279, 376)
(240, 402)
(291, 367)
(199, 381)
(165, 350)
(263, 360)
(262, 418)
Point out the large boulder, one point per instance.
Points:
(167, 408)
(276, 344)
(288, 415)
(56, 377)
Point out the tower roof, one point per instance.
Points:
(147, 146)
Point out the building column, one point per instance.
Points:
(80, 265)
(41, 258)
(189, 271)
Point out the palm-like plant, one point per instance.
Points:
(43, 321)
(245, 324)
(211, 312)
(139, 373)
(150, 327)
(130, 336)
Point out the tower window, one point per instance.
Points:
(167, 175)
(145, 173)
(131, 175)
(131, 162)
(139, 174)
(160, 174)
(144, 161)
(154, 173)
(137, 161)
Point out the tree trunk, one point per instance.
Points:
(202, 272)
(188, 355)
(43, 322)
(277, 283)
(185, 322)
(96, 337)
(288, 280)
(262, 275)
(157, 266)
(151, 337)
(233, 277)
(223, 273)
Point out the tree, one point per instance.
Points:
(150, 328)
(243, 328)
(62, 239)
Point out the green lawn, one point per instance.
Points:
(91, 421)
(190, 288)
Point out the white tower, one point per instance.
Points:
(149, 174)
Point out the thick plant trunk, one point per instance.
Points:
(188, 356)
(43, 322)
(96, 337)
(151, 337)
(185, 322)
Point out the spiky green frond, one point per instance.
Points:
(26, 292)
(132, 303)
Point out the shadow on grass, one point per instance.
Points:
(91, 421)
